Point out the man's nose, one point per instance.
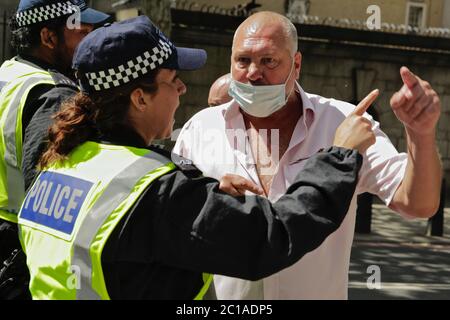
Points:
(254, 72)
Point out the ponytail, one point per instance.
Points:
(73, 125)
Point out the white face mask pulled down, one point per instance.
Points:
(260, 101)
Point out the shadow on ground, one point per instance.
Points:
(412, 265)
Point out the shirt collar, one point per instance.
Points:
(307, 104)
(308, 107)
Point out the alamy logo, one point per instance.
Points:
(374, 280)
(374, 20)
(266, 143)
(73, 281)
(74, 20)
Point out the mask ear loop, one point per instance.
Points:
(293, 87)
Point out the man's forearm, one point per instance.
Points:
(419, 193)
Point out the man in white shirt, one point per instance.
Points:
(272, 126)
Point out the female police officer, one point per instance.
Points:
(110, 218)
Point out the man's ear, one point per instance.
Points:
(137, 99)
(49, 38)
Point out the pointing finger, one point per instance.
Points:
(366, 103)
(409, 79)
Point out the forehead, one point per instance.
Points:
(165, 74)
(255, 38)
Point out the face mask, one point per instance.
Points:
(260, 101)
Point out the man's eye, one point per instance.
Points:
(269, 62)
(243, 61)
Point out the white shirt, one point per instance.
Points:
(207, 139)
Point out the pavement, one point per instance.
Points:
(397, 260)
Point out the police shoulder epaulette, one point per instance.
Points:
(61, 80)
(182, 163)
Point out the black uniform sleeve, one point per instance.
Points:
(197, 227)
(34, 101)
(36, 128)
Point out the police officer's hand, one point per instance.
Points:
(355, 132)
(236, 185)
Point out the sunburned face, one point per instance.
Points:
(261, 55)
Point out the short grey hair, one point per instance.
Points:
(291, 33)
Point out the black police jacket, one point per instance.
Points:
(184, 225)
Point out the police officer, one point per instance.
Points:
(111, 218)
(33, 84)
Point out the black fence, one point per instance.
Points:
(5, 35)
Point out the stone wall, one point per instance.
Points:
(332, 71)
(345, 71)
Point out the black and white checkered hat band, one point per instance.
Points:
(131, 70)
(44, 13)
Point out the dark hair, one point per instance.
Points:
(24, 39)
(84, 117)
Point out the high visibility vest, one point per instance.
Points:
(72, 209)
(16, 81)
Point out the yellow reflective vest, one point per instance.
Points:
(72, 209)
(16, 81)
